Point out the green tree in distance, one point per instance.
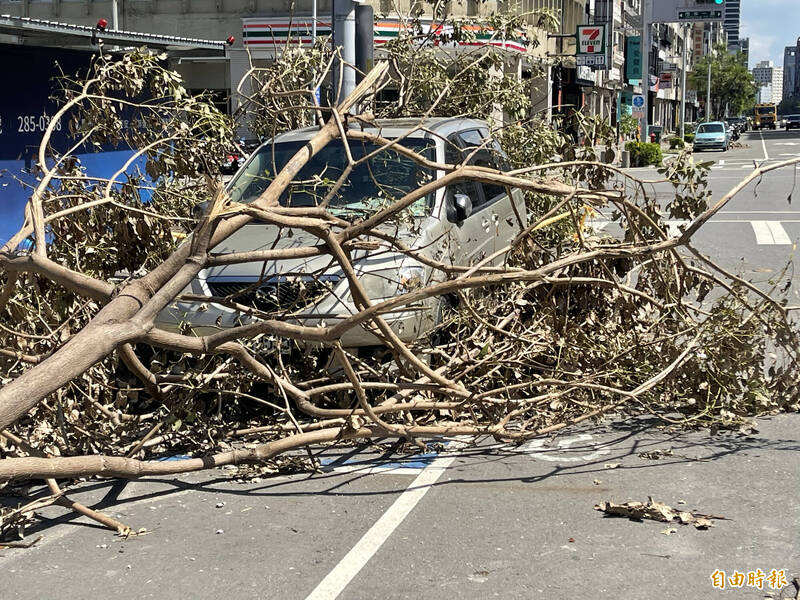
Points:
(732, 85)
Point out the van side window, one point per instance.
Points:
(454, 156)
(473, 139)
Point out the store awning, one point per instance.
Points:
(271, 34)
(44, 32)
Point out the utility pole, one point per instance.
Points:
(646, 16)
(114, 14)
(710, 58)
(313, 23)
(683, 80)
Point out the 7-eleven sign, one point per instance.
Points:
(591, 39)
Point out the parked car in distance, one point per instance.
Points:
(712, 136)
(792, 122)
(459, 224)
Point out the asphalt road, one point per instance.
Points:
(755, 234)
(470, 522)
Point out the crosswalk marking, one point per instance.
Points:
(770, 233)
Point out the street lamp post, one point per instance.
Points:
(710, 58)
(646, 28)
(313, 23)
(683, 81)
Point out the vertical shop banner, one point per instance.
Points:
(633, 60)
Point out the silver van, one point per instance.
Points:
(457, 225)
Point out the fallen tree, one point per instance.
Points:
(558, 327)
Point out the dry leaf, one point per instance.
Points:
(611, 465)
(655, 454)
(655, 511)
(702, 523)
(669, 531)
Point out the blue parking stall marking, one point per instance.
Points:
(346, 456)
(173, 457)
(411, 465)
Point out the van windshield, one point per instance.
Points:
(766, 110)
(711, 128)
(374, 183)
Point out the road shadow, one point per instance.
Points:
(566, 459)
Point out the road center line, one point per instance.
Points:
(344, 572)
(763, 145)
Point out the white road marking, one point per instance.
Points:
(763, 145)
(674, 227)
(715, 220)
(537, 449)
(721, 162)
(770, 233)
(598, 225)
(343, 573)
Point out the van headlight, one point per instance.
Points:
(392, 282)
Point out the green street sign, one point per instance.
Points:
(699, 15)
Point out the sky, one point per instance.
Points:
(771, 25)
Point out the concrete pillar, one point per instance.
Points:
(238, 66)
(344, 37)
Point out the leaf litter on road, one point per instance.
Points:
(656, 511)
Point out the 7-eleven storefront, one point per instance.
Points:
(264, 38)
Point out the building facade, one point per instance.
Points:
(731, 23)
(744, 48)
(262, 26)
(791, 54)
(258, 24)
(767, 75)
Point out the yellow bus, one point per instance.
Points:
(766, 116)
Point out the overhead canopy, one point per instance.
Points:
(44, 32)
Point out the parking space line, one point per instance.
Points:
(355, 560)
(538, 449)
(770, 233)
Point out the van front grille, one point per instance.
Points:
(282, 295)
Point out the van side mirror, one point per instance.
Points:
(463, 206)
